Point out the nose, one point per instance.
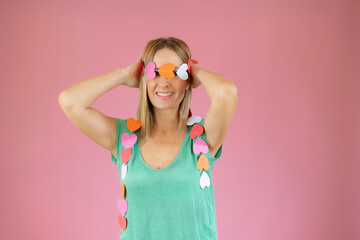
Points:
(164, 81)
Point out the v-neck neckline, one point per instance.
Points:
(138, 148)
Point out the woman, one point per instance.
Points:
(166, 187)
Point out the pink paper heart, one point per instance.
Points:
(128, 140)
(150, 70)
(122, 206)
(200, 146)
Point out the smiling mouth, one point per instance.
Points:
(164, 94)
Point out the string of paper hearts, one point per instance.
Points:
(128, 140)
(167, 70)
(200, 146)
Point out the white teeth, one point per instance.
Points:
(164, 94)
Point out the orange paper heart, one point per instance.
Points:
(196, 130)
(122, 222)
(125, 155)
(166, 70)
(123, 191)
(203, 162)
(133, 124)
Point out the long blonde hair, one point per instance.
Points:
(145, 110)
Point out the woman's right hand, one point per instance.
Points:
(133, 74)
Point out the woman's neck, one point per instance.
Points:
(166, 120)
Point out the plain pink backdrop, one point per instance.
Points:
(290, 164)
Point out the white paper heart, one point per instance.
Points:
(192, 120)
(182, 73)
(123, 171)
(204, 180)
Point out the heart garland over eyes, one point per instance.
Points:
(167, 70)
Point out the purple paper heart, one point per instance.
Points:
(128, 140)
(200, 146)
(122, 206)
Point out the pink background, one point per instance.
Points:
(290, 165)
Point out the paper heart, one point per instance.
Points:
(122, 222)
(196, 130)
(193, 119)
(167, 70)
(189, 65)
(133, 124)
(123, 190)
(200, 146)
(128, 139)
(150, 70)
(194, 61)
(204, 180)
(122, 206)
(202, 163)
(123, 171)
(125, 155)
(181, 72)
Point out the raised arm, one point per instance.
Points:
(76, 103)
(224, 99)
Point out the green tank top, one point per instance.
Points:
(166, 203)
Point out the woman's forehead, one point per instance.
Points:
(163, 56)
(157, 66)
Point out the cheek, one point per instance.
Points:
(150, 85)
(181, 85)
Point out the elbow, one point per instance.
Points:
(232, 90)
(229, 92)
(63, 100)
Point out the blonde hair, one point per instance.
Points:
(145, 110)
